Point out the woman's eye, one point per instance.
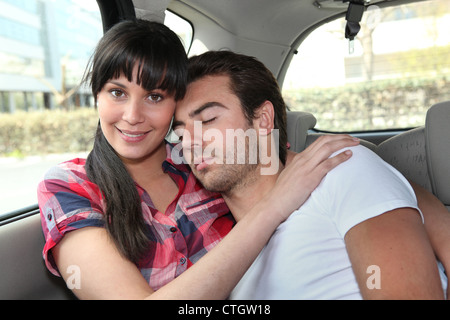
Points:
(116, 93)
(155, 97)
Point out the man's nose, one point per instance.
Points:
(192, 139)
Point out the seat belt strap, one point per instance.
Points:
(354, 15)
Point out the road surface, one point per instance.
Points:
(20, 177)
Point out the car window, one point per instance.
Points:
(45, 116)
(399, 67)
(181, 27)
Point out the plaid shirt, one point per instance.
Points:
(193, 224)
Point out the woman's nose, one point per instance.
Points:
(133, 113)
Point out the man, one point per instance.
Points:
(359, 235)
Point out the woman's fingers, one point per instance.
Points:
(329, 164)
(322, 149)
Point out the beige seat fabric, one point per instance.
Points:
(299, 125)
(437, 137)
(406, 153)
(423, 154)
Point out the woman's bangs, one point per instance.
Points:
(155, 52)
(160, 72)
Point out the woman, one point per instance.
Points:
(131, 220)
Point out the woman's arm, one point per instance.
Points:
(102, 272)
(105, 274)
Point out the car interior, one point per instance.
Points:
(272, 31)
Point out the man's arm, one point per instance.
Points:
(437, 225)
(393, 249)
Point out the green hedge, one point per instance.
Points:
(384, 104)
(45, 132)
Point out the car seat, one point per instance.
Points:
(300, 133)
(298, 125)
(437, 143)
(423, 154)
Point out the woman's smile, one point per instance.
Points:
(133, 136)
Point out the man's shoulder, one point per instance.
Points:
(364, 170)
(362, 159)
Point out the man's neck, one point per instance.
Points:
(243, 199)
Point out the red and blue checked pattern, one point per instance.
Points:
(193, 224)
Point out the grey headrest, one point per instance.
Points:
(437, 132)
(298, 124)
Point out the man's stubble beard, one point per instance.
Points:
(230, 178)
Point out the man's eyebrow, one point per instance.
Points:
(197, 111)
(205, 106)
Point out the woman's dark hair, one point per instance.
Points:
(162, 64)
(250, 80)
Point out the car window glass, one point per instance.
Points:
(181, 27)
(45, 116)
(398, 69)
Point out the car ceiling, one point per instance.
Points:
(275, 21)
(268, 29)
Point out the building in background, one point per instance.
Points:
(44, 49)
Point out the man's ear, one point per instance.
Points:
(265, 117)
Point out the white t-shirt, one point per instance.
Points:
(306, 257)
